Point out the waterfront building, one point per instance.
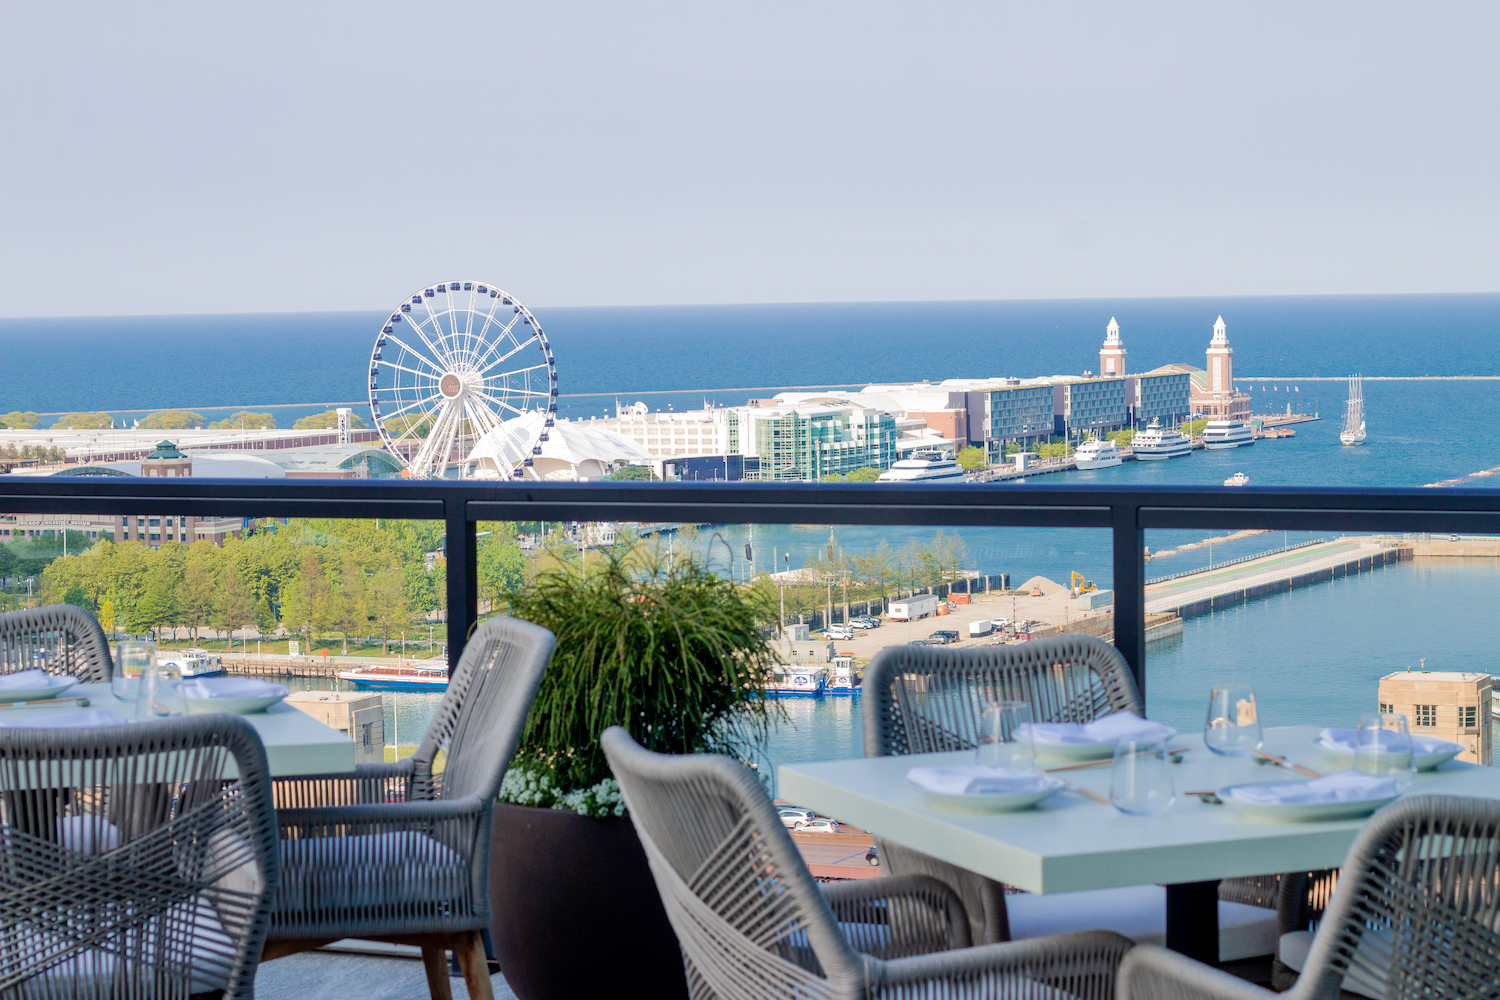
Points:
(1166, 396)
(1112, 355)
(1448, 705)
(568, 451)
(92, 447)
(812, 441)
(1213, 393)
(713, 430)
(1092, 405)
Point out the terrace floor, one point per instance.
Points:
(316, 975)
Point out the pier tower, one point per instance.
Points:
(1220, 361)
(1112, 355)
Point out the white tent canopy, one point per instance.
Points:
(571, 451)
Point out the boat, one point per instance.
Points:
(1238, 479)
(843, 681)
(794, 681)
(1097, 454)
(1220, 434)
(193, 662)
(1354, 415)
(210, 664)
(384, 677)
(1157, 443)
(923, 467)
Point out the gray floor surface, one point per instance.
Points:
(314, 975)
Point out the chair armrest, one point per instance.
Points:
(1082, 965)
(367, 783)
(1149, 973)
(899, 915)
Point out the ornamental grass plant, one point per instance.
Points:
(651, 641)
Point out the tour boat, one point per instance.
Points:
(384, 677)
(1354, 415)
(797, 681)
(193, 662)
(1220, 434)
(843, 680)
(1156, 444)
(923, 467)
(1238, 479)
(1097, 454)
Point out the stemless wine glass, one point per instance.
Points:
(1233, 726)
(1142, 784)
(159, 694)
(1002, 741)
(1383, 748)
(132, 657)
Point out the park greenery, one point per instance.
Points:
(971, 459)
(17, 421)
(244, 420)
(32, 453)
(1192, 428)
(84, 422)
(173, 420)
(327, 420)
(632, 473)
(863, 475)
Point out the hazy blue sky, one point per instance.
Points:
(161, 158)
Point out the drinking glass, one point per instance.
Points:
(1002, 743)
(1233, 726)
(1383, 748)
(159, 695)
(132, 657)
(1141, 783)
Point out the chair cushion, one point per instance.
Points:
(1140, 913)
(1294, 946)
(367, 870)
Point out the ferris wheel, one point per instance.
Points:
(458, 363)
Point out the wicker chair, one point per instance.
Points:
(128, 866)
(926, 700)
(59, 638)
(1416, 913)
(752, 922)
(401, 852)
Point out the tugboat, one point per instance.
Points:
(1238, 479)
(843, 680)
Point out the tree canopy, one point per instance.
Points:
(244, 420)
(84, 422)
(632, 473)
(17, 421)
(326, 420)
(173, 420)
(971, 459)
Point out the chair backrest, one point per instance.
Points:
(59, 639)
(747, 912)
(1417, 905)
(135, 860)
(480, 719)
(924, 699)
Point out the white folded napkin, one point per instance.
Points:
(231, 687)
(85, 718)
(1347, 741)
(972, 779)
(28, 679)
(1110, 729)
(1341, 786)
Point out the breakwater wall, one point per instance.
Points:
(1322, 574)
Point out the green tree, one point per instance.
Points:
(158, 605)
(245, 420)
(76, 596)
(107, 617)
(84, 422)
(195, 597)
(348, 601)
(1192, 428)
(325, 420)
(388, 606)
(863, 475)
(633, 473)
(833, 477)
(265, 618)
(971, 459)
(173, 420)
(307, 604)
(18, 421)
(500, 566)
(233, 608)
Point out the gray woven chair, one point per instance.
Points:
(58, 638)
(401, 852)
(752, 922)
(128, 866)
(1416, 913)
(926, 700)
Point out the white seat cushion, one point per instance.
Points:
(1140, 913)
(1366, 977)
(377, 869)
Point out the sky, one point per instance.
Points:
(166, 158)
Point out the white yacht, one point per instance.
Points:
(923, 467)
(1157, 443)
(1221, 434)
(1238, 479)
(1097, 454)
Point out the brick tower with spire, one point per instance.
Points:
(1112, 354)
(1220, 365)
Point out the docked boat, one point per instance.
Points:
(193, 662)
(923, 467)
(384, 677)
(1354, 413)
(789, 681)
(1220, 434)
(1157, 443)
(1097, 454)
(1238, 479)
(843, 681)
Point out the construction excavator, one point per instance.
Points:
(1078, 585)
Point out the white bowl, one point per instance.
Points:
(1424, 761)
(57, 686)
(987, 802)
(1301, 812)
(234, 705)
(1080, 753)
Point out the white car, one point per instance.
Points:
(795, 817)
(819, 826)
(839, 631)
(1001, 622)
(865, 623)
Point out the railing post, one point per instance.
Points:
(461, 553)
(1130, 590)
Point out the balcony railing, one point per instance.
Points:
(1127, 513)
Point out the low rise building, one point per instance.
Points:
(1445, 704)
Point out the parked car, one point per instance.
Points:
(820, 826)
(873, 856)
(942, 637)
(1001, 623)
(795, 817)
(865, 621)
(920, 642)
(839, 631)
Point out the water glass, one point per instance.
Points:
(1383, 748)
(1233, 726)
(131, 660)
(1002, 741)
(159, 694)
(1141, 783)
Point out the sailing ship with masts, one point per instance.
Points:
(1354, 415)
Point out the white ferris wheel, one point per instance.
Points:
(458, 363)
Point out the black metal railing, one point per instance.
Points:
(1127, 513)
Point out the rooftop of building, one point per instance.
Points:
(1446, 676)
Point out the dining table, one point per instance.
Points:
(295, 742)
(1071, 841)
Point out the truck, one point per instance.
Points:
(914, 607)
(981, 628)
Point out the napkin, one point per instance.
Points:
(1341, 786)
(1110, 729)
(1347, 741)
(972, 779)
(30, 679)
(86, 717)
(231, 687)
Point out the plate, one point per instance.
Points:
(1424, 761)
(235, 706)
(1079, 753)
(994, 801)
(56, 687)
(1302, 812)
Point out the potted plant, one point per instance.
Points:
(671, 651)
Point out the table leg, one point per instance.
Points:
(1193, 920)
